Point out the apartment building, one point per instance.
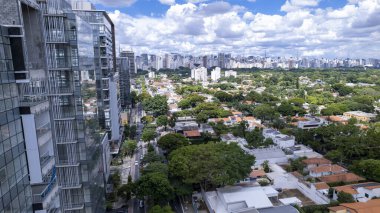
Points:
(79, 141)
(123, 68)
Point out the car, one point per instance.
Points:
(136, 161)
(141, 203)
(136, 164)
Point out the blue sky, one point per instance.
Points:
(155, 8)
(310, 28)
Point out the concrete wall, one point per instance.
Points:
(9, 12)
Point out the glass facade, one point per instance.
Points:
(15, 191)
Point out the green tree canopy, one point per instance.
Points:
(156, 186)
(216, 164)
(162, 120)
(152, 157)
(156, 167)
(344, 197)
(156, 105)
(172, 141)
(159, 209)
(148, 135)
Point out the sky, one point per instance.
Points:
(308, 28)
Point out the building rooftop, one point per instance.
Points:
(345, 177)
(316, 161)
(279, 209)
(328, 168)
(372, 206)
(321, 186)
(192, 133)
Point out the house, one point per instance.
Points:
(361, 192)
(239, 199)
(325, 170)
(181, 126)
(338, 119)
(315, 162)
(205, 128)
(192, 134)
(372, 206)
(281, 140)
(273, 155)
(239, 114)
(344, 177)
(230, 138)
(291, 201)
(257, 174)
(360, 116)
(311, 123)
(322, 187)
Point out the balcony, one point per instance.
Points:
(47, 163)
(44, 191)
(67, 163)
(73, 207)
(64, 113)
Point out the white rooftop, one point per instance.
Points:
(290, 200)
(238, 198)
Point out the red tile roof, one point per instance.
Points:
(346, 177)
(192, 133)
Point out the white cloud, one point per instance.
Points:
(201, 28)
(115, 3)
(292, 5)
(167, 2)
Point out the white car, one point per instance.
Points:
(136, 164)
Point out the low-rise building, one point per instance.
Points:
(281, 140)
(322, 187)
(325, 170)
(361, 116)
(344, 177)
(361, 192)
(230, 73)
(372, 206)
(311, 123)
(316, 162)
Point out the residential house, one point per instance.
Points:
(315, 162)
(239, 199)
(205, 128)
(281, 140)
(182, 126)
(325, 170)
(360, 116)
(311, 123)
(360, 192)
(372, 206)
(344, 177)
(192, 134)
(322, 187)
(257, 174)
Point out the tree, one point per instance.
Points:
(243, 125)
(313, 109)
(155, 167)
(344, 197)
(286, 109)
(148, 135)
(265, 112)
(159, 209)
(162, 120)
(212, 163)
(255, 138)
(147, 119)
(134, 98)
(125, 191)
(157, 105)
(172, 141)
(156, 186)
(129, 147)
(132, 132)
(265, 166)
(368, 168)
(219, 128)
(126, 131)
(152, 157)
(342, 89)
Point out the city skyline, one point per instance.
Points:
(317, 28)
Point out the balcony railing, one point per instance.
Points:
(44, 129)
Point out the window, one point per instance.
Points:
(366, 195)
(3, 175)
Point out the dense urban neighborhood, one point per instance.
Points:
(189, 106)
(217, 140)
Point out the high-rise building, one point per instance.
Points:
(125, 84)
(27, 164)
(221, 60)
(215, 74)
(199, 74)
(132, 61)
(79, 141)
